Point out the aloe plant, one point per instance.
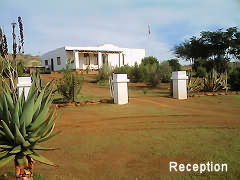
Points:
(23, 125)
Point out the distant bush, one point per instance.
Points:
(149, 60)
(234, 79)
(152, 74)
(20, 69)
(165, 71)
(104, 72)
(126, 69)
(137, 73)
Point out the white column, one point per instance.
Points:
(99, 60)
(179, 84)
(24, 84)
(120, 59)
(120, 88)
(76, 59)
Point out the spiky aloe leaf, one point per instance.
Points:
(40, 119)
(41, 159)
(7, 131)
(48, 136)
(37, 147)
(27, 152)
(21, 103)
(6, 159)
(15, 114)
(38, 102)
(2, 133)
(3, 153)
(5, 117)
(34, 139)
(50, 126)
(3, 146)
(23, 129)
(45, 126)
(27, 113)
(19, 139)
(8, 99)
(26, 144)
(16, 149)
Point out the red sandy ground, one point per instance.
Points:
(86, 150)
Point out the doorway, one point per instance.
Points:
(52, 65)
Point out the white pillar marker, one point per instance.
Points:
(179, 84)
(99, 60)
(24, 84)
(120, 88)
(76, 59)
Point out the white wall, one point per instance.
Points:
(113, 59)
(133, 55)
(60, 52)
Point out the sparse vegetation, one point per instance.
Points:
(69, 86)
(234, 79)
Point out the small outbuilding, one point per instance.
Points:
(91, 57)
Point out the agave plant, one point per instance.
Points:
(215, 81)
(23, 125)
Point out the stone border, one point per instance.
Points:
(213, 94)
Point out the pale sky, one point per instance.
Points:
(52, 24)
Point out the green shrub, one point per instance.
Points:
(175, 65)
(165, 71)
(20, 69)
(234, 79)
(126, 69)
(152, 75)
(149, 60)
(137, 73)
(104, 72)
(69, 85)
(201, 72)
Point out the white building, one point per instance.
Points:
(92, 57)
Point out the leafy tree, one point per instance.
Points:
(149, 60)
(175, 65)
(214, 49)
(137, 73)
(165, 71)
(152, 74)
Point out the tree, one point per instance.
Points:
(149, 60)
(175, 65)
(213, 49)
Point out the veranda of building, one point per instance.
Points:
(91, 57)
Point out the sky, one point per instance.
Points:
(50, 24)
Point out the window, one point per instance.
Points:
(95, 59)
(46, 62)
(87, 58)
(58, 61)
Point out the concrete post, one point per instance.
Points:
(24, 84)
(179, 84)
(76, 59)
(99, 60)
(120, 88)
